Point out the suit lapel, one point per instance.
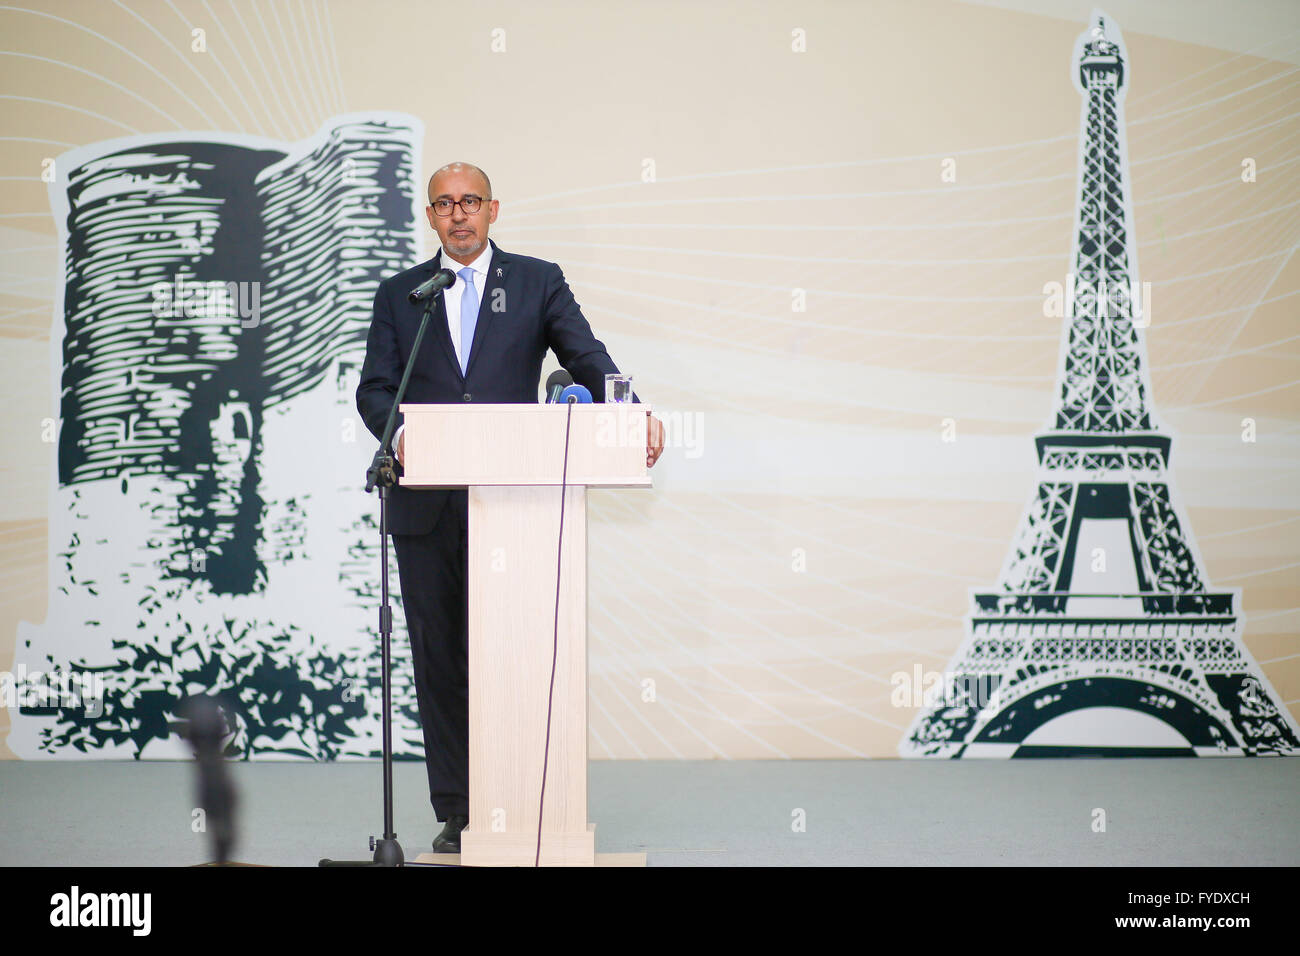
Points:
(498, 272)
(438, 319)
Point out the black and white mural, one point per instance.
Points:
(208, 532)
(1103, 636)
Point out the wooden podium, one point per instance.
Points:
(510, 457)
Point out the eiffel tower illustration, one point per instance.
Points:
(1102, 636)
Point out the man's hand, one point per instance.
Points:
(654, 440)
(399, 449)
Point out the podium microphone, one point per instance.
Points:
(560, 389)
(556, 384)
(440, 280)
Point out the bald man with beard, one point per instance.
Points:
(487, 338)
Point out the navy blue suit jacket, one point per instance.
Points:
(526, 308)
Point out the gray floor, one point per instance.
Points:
(1178, 812)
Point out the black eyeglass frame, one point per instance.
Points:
(458, 202)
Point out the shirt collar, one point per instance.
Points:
(479, 265)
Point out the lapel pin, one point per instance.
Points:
(498, 273)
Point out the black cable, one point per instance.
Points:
(555, 640)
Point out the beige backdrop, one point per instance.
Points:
(810, 533)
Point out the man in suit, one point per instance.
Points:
(487, 337)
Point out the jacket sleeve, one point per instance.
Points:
(381, 372)
(570, 337)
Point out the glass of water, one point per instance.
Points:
(618, 388)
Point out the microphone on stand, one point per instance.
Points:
(206, 731)
(576, 394)
(555, 385)
(440, 280)
(382, 473)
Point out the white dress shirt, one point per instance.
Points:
(452, 294)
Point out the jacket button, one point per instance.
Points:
(466, 396)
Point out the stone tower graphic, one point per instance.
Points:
(1102, 635)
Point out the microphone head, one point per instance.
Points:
(576, 393)
(206, 727)
(556, 384)
(438, 281)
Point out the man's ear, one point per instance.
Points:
(493, 208)
(428, 214)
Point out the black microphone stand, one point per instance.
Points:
(382, 474)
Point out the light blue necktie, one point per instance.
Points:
(468, 316)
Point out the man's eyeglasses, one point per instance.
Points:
(470, 204)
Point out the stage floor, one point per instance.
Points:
(1158, 812)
